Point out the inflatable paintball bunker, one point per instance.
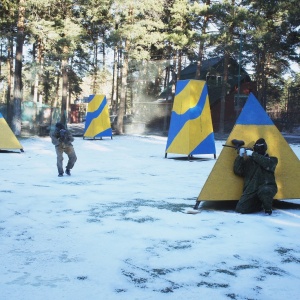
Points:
(253, 123)
(191, 130)
(8, 140)
(97, 123)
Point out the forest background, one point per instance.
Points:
(57, 52)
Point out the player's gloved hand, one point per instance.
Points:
(62, 132)
(249, 152)
(242, 152)
(57, 134)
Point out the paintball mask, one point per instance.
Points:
(60, 131)
(260, 146)
(59, 126)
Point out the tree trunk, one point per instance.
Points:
(10, 78)
(65, 83)
(18, 85)
(33, 94)
(121, 110)
(179, 64)
(39, 68)
(103, 50)
(224, 92)
(95, 73)
(261, 77)
(227, 46)
(114, 82)
(1, 55)
(56, 96)
(64, 98)
(201, 44)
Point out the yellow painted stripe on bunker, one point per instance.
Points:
(99, 124)
(192, 133)
(95, 103)
(188, 97)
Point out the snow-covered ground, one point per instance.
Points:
(118, 228)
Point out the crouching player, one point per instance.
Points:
(258, 170)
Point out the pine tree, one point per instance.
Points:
(135, 31)
(229, 19)
(273, 37)
(18, 84)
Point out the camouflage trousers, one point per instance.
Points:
(262, 198)
(69, 150)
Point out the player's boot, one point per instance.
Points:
(268, 211)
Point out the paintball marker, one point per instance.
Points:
(62, 133)
(237, 145)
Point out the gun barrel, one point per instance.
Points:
(234, 147)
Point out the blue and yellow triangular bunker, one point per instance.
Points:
(191, 130)
(253, 123)
(8, 140)
(97, 124)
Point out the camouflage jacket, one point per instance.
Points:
(61, 138)
(257, 170)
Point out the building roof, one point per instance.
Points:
(214, 68)
(190, 70)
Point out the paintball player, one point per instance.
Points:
(62, 139)
(257, 168)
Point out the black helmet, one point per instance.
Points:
(260, 146)
(59, 126)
